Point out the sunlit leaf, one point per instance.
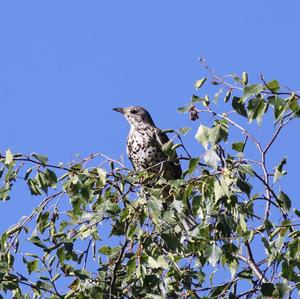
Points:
(8, 157)
(211, 158)
(193, 163)
(202, 136)
(199, 83)
(273, 86)
(251, 90)
(41, 158)
(238, 146)
(285, 201)
(279, 171)
(214, 254)
(32, 266)
(219, 132)
(245, 78)
(184, 131)
(256, 109)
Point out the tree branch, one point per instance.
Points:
(112, 288)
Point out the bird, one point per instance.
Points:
(145, 149)
(145, 142)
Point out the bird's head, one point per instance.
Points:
(136, 116)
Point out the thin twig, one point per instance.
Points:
(117, 262)
(86, 252)
(31, 216)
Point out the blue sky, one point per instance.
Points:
(65, 64)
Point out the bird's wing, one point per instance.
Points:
(163, 138)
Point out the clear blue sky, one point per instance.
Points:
(65, 64)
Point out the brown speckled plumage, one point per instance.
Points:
(144, 144)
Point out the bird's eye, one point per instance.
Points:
(133, 111)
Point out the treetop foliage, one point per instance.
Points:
(94, 234)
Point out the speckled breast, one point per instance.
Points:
(144, 151)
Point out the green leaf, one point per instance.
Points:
(244, 186)
(294, 248)
(27, 174)
(184, 109)
(199, 83)
(284, 289)
(37, 241)
(102, 175)
(218, 132)
(211, 158)
(206, 101)
(55, 277)
(168, 131)
(8, 157)
(238, 146)
(256, 109)
(245, 78)
(279, 106)
(214, 254)
(45, 278)
(279, 170)
(238, 106)
(243, 223)
(273, 86)
(13, 229)
(217, 95)
(287, 270)
(61, 254)
(193, 163)
(218, 290)
(184, 131)
(41, 158)
(131, 265)
(82, 274)
(267, 289)
(227, 96)
(251, 90)
(292, 102)
(32, 266)
(297, 212)
(34, 187)
(285, 201)
(246, 168)
(202, 136)
(106, 250)
(221, 189)
(1, 171)
(171, 241)
(196, 203)
(51, 177)
(42, 221)
(236, 78)
(52, 260)
(159, 263)
(196, 99)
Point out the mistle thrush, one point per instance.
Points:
(144, 147)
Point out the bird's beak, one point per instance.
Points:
(121, 110)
